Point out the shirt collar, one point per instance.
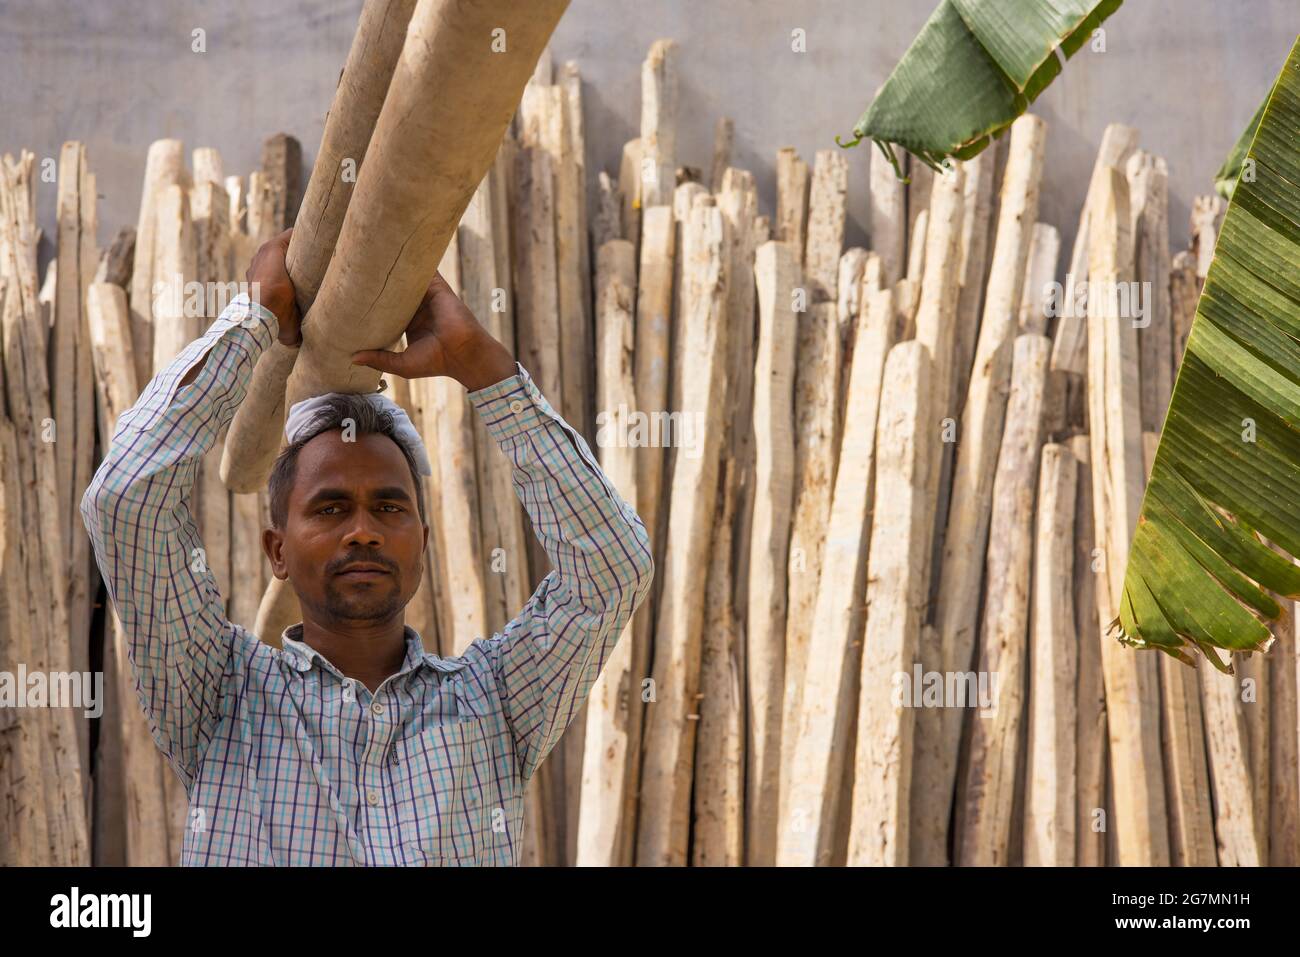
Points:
(301, 656)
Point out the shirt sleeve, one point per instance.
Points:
(137, 512)
(549, 656)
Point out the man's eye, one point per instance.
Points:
(325, 509)
(392, 506)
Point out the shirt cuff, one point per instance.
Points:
(512, 406)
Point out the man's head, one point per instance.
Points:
(347, 492)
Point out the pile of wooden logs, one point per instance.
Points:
(876, 480)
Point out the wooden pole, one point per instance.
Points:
(1090, 736)
(816, 394)
(826, 215)
(659, 98)
(777, 273)
(613, 741)
(962, 569)
(821, 702)
(936, 321)
(25, 332)
(1229, 749)
(165, 166)
(724, 133)
(974, 262)
(1070, 348)
(669, 740)
(1040, 271)
(143, 767)
(791, 199)
(718, 834)
(1050, 782)
(1114, 413)
(1148, 182)
(887, 219)
(994, 750)
(895, 594)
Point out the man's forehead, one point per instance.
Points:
(372, 460)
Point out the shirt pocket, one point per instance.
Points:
(440, 810)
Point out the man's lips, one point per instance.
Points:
(362, 571)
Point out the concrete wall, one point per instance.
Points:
(118, 74)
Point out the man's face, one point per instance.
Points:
(351, 503)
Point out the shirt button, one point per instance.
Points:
(372, 798)
(377, 708)
(516, 406)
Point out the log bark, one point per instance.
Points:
(450, 86)
(318, 219)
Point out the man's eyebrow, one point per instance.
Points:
(395, 492)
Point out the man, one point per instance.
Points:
(352, 745)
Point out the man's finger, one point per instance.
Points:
(393, 362)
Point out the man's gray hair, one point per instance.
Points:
(335, 413)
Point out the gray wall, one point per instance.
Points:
(118, 74)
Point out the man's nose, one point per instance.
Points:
(364, 529)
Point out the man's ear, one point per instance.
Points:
(273, 545)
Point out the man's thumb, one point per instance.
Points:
(384, 361)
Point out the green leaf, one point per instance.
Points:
(1225, 180)
(1226, 475)
(975, 66)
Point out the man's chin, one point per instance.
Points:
(366, 607)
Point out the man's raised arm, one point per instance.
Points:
(547, 658)
(137, 512)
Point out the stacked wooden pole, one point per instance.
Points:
(877, 480)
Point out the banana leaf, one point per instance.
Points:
(1225, 483)
(975, 66)
(1226, 178)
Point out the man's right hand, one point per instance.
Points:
(274, 289)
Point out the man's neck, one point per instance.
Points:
(368, 652)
